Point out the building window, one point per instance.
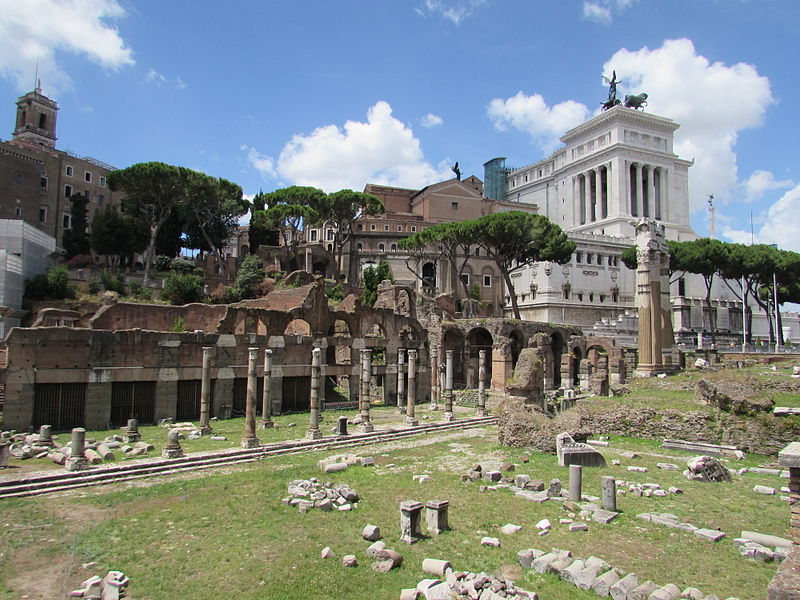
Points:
(359, 227)
(413, 228)
(381, 248)
(394, 247)
(43, 214)
(399, 228)
(580, 296)
(66, 221)
(18, 178)
(682, 287)
(578, 256)
(359, 247)
(386, 228)
(591, 297)
(599, 259)
(614, 296)
(330, 235)
(313, 235)
(69, 171)
(454, 205)
(588, 258)
(372, 227)
(487, 281)
(465, 279)
(566, 292)
(330, 247)
(43, 182)
(102, 182)
(101, 200)
(87, 177)
(602, 298)
(67, 191)
(18, 211)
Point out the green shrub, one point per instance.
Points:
(182, 288)
(137, 290)
(52, 285)
(112, 282)
(179, 265)
(92, 286)
(162, 263)
(178, 325)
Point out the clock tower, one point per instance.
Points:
(36, 120)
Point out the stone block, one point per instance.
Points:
(527, 556)
(436, 567)
(371, 533)
(711, 535)
(604, 516)
(349, 560)
(541, 563)
(668, 592)
(373, 550)
(643, 591)
(490, 541)
(578, 527)
(510, 529)
(602, 584)
(569, 573)
(623, 587)
(763, 489)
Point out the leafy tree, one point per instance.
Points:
(116, 236)
(52, 285)
(153, 190)
(704, 257)
(515, 239)
(250, 276)
(372, 277)
(182, 288)
(341, 210)
(262, 231)
(289, 210)
(76, 239)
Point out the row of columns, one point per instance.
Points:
(648, 189)
(593, 188)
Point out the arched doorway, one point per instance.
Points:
(429, 275)
(478, 339)
(454, 340)
(557, 347)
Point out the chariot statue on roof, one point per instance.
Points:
(612, 100)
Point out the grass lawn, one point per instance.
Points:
(225, 533)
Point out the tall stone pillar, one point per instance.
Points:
(664, 194)
(587, 193)
(575, 481)
(366, 377)
(401, 380)
(651, 249)
(266, 401)
(448, 387)
(249, 440)
(434, 378)
(640, 199)
(651, 191)
(606, 190)
(576, 200)
(313, 417)
(205, 392)
(597, 205)
(411, 419)
(481, 410)
(77, 460)
(609, 493)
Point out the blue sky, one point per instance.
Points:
(343, 93)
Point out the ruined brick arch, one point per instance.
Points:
(453, 339)
(477, 339)
(515, 346)
(297, 327)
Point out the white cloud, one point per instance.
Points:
(265, 165)
(431, 120)
(711, 101)
(761, 182)
(154, 76)
(39, 30)
(602, 11)
(780, 224)
(452, 10)
(180, 84)
(380, 150)
(531, 114)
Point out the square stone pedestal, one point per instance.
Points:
(436, 516)
(366, 428)
(250, 442)
(314, 434)
(410, 521)
(76, 463)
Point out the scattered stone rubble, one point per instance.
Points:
(706, 468)
(597, 575)
(763, 547)
(340, 462)
(110, 587)
(307, 494)
(449, 584)
(670, 520)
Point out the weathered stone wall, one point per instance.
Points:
(158, 317)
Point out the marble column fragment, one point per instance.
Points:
(436, 516)
(131, 433)
(5, 448)
(313, 419)
(410, 521)
(448, 387)
(249, 440)
(77, 460)
(401, 381)
(366, 378)
(205, 393)
(434, 378)
(266, 402)
(411, 402)
(609, 493)
(341, 427)
(575, 480)
(173, 448)
(45, 436)
(481, 410)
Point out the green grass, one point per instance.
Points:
(226, 534)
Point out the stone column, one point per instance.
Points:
(610, 493)
(651, 248)
(606, 191)
(4, 452)
(651, 191)
(132, 431)
(410, 521)
(640, 200)
(448, 388)
(587, 194)
(411, 404)
(401, 380)
(313, 417)
(366, 376)
(45, 436)
(266, 401)
(434, 378)
(77, 460)
(663, 194)
(597, 205)
(250, 440)
(575, 480)
(205, 393)
(173, 448)
(436, 516)
(481, 410)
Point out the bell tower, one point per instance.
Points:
(36, 119)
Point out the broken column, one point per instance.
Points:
(341, 427)
(45, 436)
(436, 516)
(205, 393)
(266, 406)
(410, 525)
(448, 387)
(131, 433)
(481, 410)
(411, 403)
(651, 247)
(77, 460)
(575, 480)
(401, 380)
(609, 493)
(434, 378)
(366, 377)
(313, 419)
(5, 448)
(173, 448)
(249, 440)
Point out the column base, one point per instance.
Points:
(76, 464)
(448, 417)
(410, 540)
(205, 430)
(171, 453)
(366, 427)
(267, 424)
(401, 410)
(131, 437)
(411, 422)
(250, 442)
(482, 412)
(433, 406)
(314, 434)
